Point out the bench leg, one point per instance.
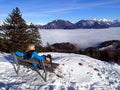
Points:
(44, 71)
(18, 68)
(43, 67)
(16, 62)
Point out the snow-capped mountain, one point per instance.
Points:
(75, 72)
(60, 24)
(104, 20)
(93, 23)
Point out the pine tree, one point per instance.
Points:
(16, 31)
(34, 35)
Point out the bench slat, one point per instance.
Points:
(30, 61)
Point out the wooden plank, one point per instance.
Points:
(30, 61)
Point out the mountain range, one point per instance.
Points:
(64, 24)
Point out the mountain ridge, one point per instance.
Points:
(93, 23)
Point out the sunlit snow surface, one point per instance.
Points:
(77, 72)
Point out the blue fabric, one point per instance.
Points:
(20, 54)
(34, 56)
(37, 57)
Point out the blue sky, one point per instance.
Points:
(44, 11)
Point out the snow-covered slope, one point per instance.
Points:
(75, 72)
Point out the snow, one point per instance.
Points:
(104, 20)
(76, 72)
(112, 47)
(81, 37)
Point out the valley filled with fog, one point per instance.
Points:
(83, 38)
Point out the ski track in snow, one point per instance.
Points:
(76, 72)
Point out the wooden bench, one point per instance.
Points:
(29, 63)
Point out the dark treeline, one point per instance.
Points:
(107, 51)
